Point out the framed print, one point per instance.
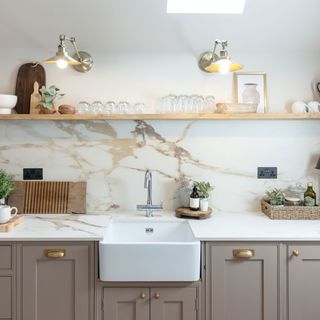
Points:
(251, 87)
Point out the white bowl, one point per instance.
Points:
(7, 102)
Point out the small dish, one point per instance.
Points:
(7, 103)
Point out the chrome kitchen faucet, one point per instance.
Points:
(149, 208)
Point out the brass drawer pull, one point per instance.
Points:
(295, 253)
(243, 253)
(54, 253)
(157, 295)
(142, 295)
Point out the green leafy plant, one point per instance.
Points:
(276, 197)
(204, 188)
(6, 184)
(48, 95)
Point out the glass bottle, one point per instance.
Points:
(194, 200)
(310, 196)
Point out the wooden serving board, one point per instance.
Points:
(49, 197)
(27, 75)
(188, 213)
(11, 224)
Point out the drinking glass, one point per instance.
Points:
(139, 108)
(123, 107)
(96, 107)
(210, 103)
(110, 107)
(83, 107)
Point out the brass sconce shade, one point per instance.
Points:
(81, 61)
(212, 62)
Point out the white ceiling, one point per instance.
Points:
(144, 26)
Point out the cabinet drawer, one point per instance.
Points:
(5, 257)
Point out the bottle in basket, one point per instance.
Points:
(310, 196)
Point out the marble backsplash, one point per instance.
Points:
(112, 157)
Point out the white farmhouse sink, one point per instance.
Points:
(149, 249)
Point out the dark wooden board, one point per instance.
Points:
(28, 73)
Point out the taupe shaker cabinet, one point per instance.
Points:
(150, 304)
(7, 281)
(57, 281)
(303, 282)
(241, 281)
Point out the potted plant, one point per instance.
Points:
(6, 186)
(204, 189)
(276, 197)
(48, 95)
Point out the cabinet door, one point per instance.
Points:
(126, 303)
(7, 282)
(174, 304)
(304, 282)
(241, 282)
(6, 292)
(56, 287)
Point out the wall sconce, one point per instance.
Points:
(81, 61)
(211, 62)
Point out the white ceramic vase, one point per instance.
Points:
(250, 94)
(204, 204)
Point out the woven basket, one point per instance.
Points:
(290, 212)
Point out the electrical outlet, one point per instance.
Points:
(32, 174)
(267, 173)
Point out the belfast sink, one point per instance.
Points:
(149, 249)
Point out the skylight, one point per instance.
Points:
(206, 6)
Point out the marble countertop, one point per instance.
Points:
(220, 227)
(59, 227)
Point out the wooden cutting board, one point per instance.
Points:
(49, 197)
(188, 213)
(10, 225)
(35, 99)
(27, 75)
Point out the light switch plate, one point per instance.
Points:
(32, 174)
(267, 173)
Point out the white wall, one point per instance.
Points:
(146, 77)
(112, 156)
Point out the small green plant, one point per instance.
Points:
(48, 95)
(204, 188)
(276, 197)
(6, 184)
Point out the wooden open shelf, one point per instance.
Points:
(204, 116)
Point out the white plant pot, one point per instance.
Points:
(2, 201)
(204, 204)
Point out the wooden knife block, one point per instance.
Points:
(49, 197)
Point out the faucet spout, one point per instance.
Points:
(149, 208)
(148, 185)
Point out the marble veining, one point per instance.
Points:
(113, 155)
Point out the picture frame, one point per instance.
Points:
(257, 81)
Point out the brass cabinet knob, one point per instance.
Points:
(243, 253)
(54, 253)
(142, 295)
(157, 295)
(295, 253)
